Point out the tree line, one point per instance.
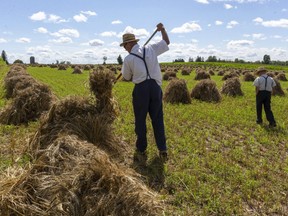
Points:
(266, 60)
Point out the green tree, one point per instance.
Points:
(104, 59)
(191, 59)
(239, 60)
(179, 60)
(4, 57)
(120, 60)
(266, 59)
(199, 59)
(211, 59)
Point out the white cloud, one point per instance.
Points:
(279, 51)
(218, 22)
(282, 23)
(96, 42)
(108, 34)
(55, 19)
(239, 44)
(277, 36)
(66, 32)
(2, 40)
(39, 16)
(39, 50)
(238, 49)
(202, 1)
(62, 40)
(139, 33)
(86, 54)
(259, 36)
(89, 13)
(232, 24)
(96, 55)
(23, 40)
(187, 27)
(116, 22)
(115, 44)
(258, 20)
(42, 30)
(56, 34)
(45, 54)
(228, 6)
(80, 18)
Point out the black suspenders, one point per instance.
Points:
(265, 81)
(143, 58)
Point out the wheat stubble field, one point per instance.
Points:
(220, 161)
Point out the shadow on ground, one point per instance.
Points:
(152, 172)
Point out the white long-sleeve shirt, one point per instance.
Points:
(134, 67)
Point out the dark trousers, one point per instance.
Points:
(147, 98)
(263, 98)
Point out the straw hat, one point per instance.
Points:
(261, 70)
(128, 37)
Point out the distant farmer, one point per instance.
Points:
(142, 68)
(264, 85)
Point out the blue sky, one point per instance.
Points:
(84, 31)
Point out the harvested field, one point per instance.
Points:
(69, 164)
(57, 164)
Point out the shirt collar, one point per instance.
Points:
(135, 48)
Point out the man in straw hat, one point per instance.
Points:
(264, 85)
(142, 68)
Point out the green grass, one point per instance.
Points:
(62, 82)
(220, 161)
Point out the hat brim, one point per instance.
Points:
(136, 40)
(261, 71)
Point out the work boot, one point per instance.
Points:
(163, 155)
(140, 157)
(259, 122)
(272, 125)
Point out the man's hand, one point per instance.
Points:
(160, 27)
